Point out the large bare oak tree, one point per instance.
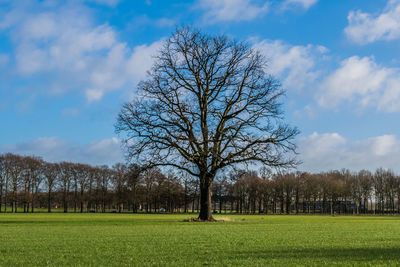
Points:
(207, 104)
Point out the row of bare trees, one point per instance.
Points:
(334, 192)
(28, 183)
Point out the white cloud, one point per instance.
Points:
(140, 60)
(366, 28)
(106, 151)
(323, 152)
(364, 81)
(94, 94)
(306, 4)
(74, 52)
(359, 81)
(233, 10)
(294, 65)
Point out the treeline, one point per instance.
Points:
(29, 183)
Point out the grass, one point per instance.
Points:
(159, 240)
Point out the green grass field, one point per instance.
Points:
(147, 240)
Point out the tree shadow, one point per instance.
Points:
(331, 254)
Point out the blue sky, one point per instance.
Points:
(67, 66)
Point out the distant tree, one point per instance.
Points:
(266, 187)
(34, 176)
(6, 167)
(104, 177)
(289, 183)
(390, 187)
(149, 177)
(83, 176)
(159, 191)
(208, 104)
(366, 182)
(2, 178)
(379, 188)
(91, 188)
(279, 193)
(119, 180)
(134, 179)
(16, 171)
(64, 180)
(51, 172)
(221, 188)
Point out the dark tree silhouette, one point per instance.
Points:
(207, 104)
(2, 177)
(34, 178)
(51, 172)
(134, 180)
(64, 179)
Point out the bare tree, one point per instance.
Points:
(16, 171)
(34, 175)
(51, 172)
(75, 174)
(104, 177)
(83, 175)
(208, 104)
(6, 165)
(379, 186)
(366, 182)
(2, 178)
(119, 181)
(65, 174)
(90, 194)
(134, 180)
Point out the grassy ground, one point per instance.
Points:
(128, 239)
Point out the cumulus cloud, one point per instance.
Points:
(359, 81)
(53, 149)
(233, 10)
(366, 28)
(363, 81)
(323, 152)
(306, 4)
(294, 65)
(75, 52)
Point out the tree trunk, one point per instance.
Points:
(1, 196)
(49, 201)
(81, 200)
(134, 199)
(205, 198)
(32, 208)
(65, 204)
(193, 203)
(220, 204)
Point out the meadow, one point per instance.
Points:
(166, 240)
